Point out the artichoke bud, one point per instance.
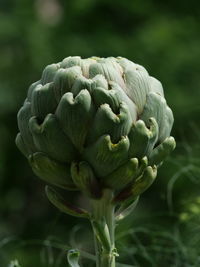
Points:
(162, 151)
(138, 186)
(85, 180)
(96, 123)
(51, 172)
(63, 205)
(122, 175)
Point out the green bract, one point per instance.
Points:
(96, 123)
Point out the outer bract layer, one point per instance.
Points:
(96, 123)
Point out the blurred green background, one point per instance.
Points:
(164, 37)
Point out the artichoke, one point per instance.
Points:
(95, 124)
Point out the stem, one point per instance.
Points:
(103, 214)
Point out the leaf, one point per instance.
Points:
(50, 139)
(137, 86)
(78, 61)
(125, 98)
(156, 107)
(75, 115)
(23, 118)
(107, 122)
(64, 206)
(85, 180)
(14, 263)
(122, 175)
(81, 83)
(107, 69)
(64, 80)
(156, 86)
(43, 101)
(162, 151)
(99, 81)
(126, 208)
(143, 163)
(31, 89)
(51, 171)
(142, 139)
(138, 186)
(49, 72)
(110, 97)
(106, 156)
(69, 62)
(73, 257)
(22, 146)
(127, 64)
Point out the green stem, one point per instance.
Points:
(97, 251)
(103, 214)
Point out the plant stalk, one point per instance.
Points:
(103, 223)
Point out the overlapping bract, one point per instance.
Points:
(96, 123)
